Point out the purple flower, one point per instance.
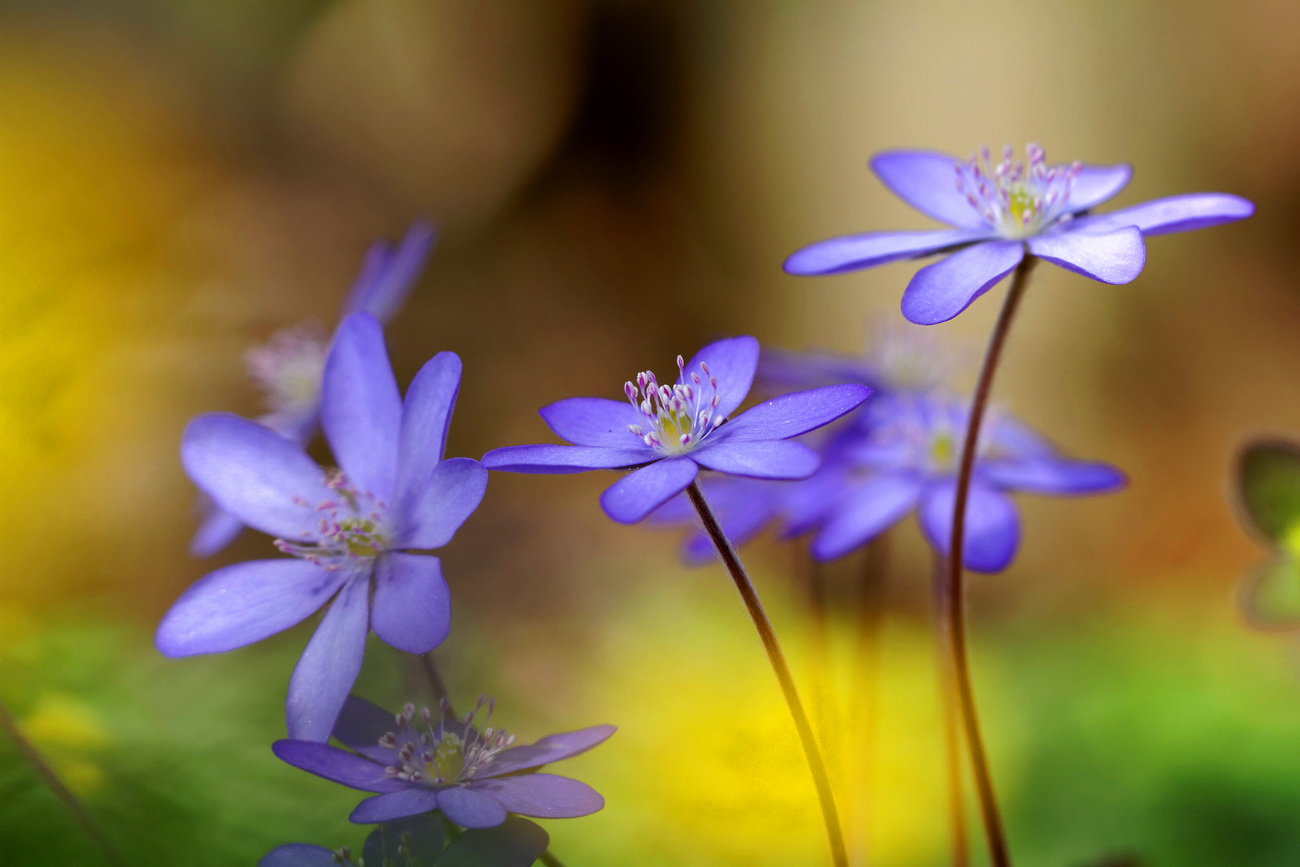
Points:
(907, 461)
(351, 532)
(417, 762)
(288, 367)
(998, 212)
(419, 841)
(668, 433)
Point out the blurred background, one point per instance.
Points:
(618, 181)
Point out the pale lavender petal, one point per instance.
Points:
(1177, 213)
(1053, 476)
(336, 765)
(992, 525)
(1111, 257)
(217, 530)
(639, 493)
(361, 408)
(329, 666)
(394, 805)
(565, 459)
(470, 809)
(255, 474)
(940, 291)
(360, 726)
(550, 749)
(382, 292)
(298, 855)
(1096, 184)
(436, 511)
(792, 414)
(764, 459)
(927, 181)
(854, 252)
(544, 796)
(876, 504)
(426, 416)
(733, 362)
(807, 502)
(412, 606)
(593, 421)
(242, 603)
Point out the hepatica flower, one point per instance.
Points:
(420, 761)
(998, 212)
(667, 433)
(354, 534)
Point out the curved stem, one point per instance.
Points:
(948, 712)
(436, 684)
(816, 764)
(550, 860)
(998, 853)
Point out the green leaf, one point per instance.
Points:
(1271, 597)
(419, 838)
(1268, 479)
(515, 842)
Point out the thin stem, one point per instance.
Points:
(998, 853)
(866, 670)
(550, 860)
(56, 785)
(948, 712)
(436, 683)
(816, 764)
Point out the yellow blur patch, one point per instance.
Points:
(65, 730)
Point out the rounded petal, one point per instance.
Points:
(1096, 184)
(336, 765)
(361, 408)
(434, 512)
(1177, 213)
(854, 252)
(1111, 257)
(217, 530)
(360, 726)
(550, 749)
(1053, 476)
(940, 291)
(927, 180)
(640, 492)
(258, 476)
(875, 505)
(469, 808)
(992, 525)
(765, 459)
(387, 277)
(412, 605)
(243, 603)
(394, 805)
(544, 796)
(565, 459)
(298, 855)
(733, 362)
(792, 414)
(593, 421)
(329, 666)
(426, 416)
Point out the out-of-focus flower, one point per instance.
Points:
(419, 841)
(288, 367)
(999, 212)
(668, 433)
(1268, 492)
(350, 532)
(474, 776)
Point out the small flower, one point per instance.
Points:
(667, 433)
(350, 532)
(420, 761)
(1000, 211)
(420, 842)
(288, 367)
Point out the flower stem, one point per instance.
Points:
(816, 764)
(948, 713)
(998, 853)
(866, 686)
(436, 684)
(550, 860)
(56, 785)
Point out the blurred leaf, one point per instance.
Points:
(515, 842)
(1270, 598)
(1268, 480)
(424, 841)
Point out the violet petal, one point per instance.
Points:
(550, 749)
(1054, 476)
(336, 765)
(469, 808)
(1097, 184)
(593, 421)
(764, 459)
(394, 805)
(385, 283)
(1176, 213)
(875, 504)
(544, 796)
(361, 408)
(869, 249)
(548, 458)
(360, 726)
(640, 492)
(927, 180)
(412, 605)
(792, 414)
(298, 855)
(329, 666)
(1111, 257)
(992, 524)
(217, 530)
(733, 363)
(435, 511)
(940, 291)
(426, 415)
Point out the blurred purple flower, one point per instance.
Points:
(349, 532)
(431, 762)
(288, 367)
(1001, 211)
(668, 433)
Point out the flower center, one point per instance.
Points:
(353, 527)
(444, 751)
(1017, 199)
(678, 417)
(288, 367)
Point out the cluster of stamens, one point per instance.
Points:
(351, 528)
(288, 367)
(1017, 199)
(443, 750)
(676, 417)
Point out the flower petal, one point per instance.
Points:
(732, 362)
(242, 603)
(927, 180)
(992, 524)
(470, 809)
(361, 408)
(412, 605)
(388, 276)
(875, 505)
(545, 796)
(298, 855)
(1111, 257)
(360, 726)
(336, 765)
(854, 252)
(940, 291)
(1096, 184)
(449, 496)
(258, 476)
(1053, 476)
(548, 458)
(394, 805)
(1177, 213)
(329, 666)
(792, 414)
(640, 492)
(217, 530)
(550, 749)
(593, 421)
(425, 417)
(764, 459)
